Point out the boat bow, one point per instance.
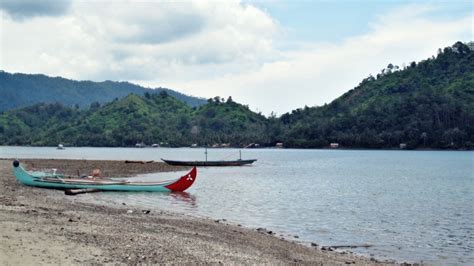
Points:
(184, 182)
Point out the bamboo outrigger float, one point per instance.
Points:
(53, 180)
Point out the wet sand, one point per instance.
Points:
(44, 226)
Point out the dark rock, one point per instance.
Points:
(295, 236)
(146, 211)
(314, 244)
(70, 220)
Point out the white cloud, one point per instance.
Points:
(134, 40)
(215, 48)
(319, 74)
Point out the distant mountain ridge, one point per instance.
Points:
(21, 90)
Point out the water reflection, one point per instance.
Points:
(185, 198)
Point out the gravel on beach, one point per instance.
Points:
(44, 226)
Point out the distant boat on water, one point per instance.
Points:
(60, 147)
(238, 162)
(140, 145)
(210, 163)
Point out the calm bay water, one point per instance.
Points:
(410, 205)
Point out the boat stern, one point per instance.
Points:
(21, 174)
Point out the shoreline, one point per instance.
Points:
(46, 226)
(260, 148)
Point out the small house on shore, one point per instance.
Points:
(403, 146)
(334, 145)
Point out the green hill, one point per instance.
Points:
(425, 105)
(152, 118)
(21, 90)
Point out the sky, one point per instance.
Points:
(274, 56)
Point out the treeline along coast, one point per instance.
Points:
(429, 104)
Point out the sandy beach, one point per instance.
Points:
(44, 226)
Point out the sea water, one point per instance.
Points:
(409, 205)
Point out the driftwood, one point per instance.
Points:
(141, 162)
(72, 192)
(350, 246)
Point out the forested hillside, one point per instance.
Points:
(21, 90)
(152, 118)
(425, 105)
(429, 104)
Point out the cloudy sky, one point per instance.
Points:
(272, 55)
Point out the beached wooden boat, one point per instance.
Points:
(53, 180)
(209, 163)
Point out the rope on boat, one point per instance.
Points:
(239, 150)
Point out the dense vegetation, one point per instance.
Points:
(152, 118)
(424, 105)
(429, 104)
(20, 90)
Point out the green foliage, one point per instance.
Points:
(152, 118)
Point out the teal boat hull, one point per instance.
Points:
(46, 180)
